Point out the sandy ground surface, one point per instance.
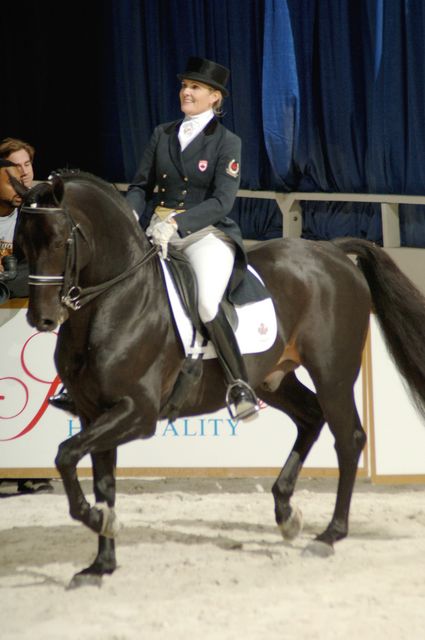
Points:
(202, 559)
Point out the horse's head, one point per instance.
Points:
(79, 235)
(44, 233)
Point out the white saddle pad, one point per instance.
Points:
(257, 326)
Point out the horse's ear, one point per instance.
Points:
(20, 188)
(58, 188)
(41, 195)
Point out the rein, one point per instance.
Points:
(74, 296)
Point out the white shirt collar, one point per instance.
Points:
(192, 126)
(201, 119)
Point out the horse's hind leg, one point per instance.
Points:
(103, 465)
(341, 414)
(300, 404)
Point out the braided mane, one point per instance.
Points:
(76, 175)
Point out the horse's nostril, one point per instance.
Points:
(46, 324)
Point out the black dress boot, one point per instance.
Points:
(64, 401)
(239, 393)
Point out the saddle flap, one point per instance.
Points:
(256, 323)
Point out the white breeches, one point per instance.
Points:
(212, 261)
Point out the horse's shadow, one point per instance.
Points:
(34, 547)
(27, 550)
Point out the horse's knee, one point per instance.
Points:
(64, 458)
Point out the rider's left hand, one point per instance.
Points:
(162, 232)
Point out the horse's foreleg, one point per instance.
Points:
(120, 424)
(116, 426)
(350, 438)
(104, 490)
(66, 461)
(300, 404)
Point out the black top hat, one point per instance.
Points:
(6, 163)
(208, 72)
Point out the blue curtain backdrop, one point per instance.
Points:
(326, 95)
(344, 107)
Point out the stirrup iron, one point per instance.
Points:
(244, 400)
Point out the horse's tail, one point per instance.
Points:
(400, 308)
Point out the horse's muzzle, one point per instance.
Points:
(46, 321)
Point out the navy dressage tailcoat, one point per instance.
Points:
(203, 180)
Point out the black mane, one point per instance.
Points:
(76, 175)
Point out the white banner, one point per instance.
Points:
(31, 430)
(399, 430)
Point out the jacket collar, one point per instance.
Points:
(177, 156)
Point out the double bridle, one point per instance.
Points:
(73, 295)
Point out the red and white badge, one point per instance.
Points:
(203, 165)
(232, 168)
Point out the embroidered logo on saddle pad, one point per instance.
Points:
(257, 326)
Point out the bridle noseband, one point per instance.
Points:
(73, 295)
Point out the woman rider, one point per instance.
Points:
(195, 163)
(189, 176)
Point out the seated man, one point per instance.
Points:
(16, 158)
(19, 155)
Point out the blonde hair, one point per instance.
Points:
(218, 105)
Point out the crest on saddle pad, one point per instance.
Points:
(256, 329)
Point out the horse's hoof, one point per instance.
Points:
(318, 549)
(292, 527)
(85, 580)
(110, 524)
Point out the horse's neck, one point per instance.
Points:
(112, 244)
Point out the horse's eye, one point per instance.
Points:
(58, 244)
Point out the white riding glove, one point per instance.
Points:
(154, 220)
(162, 232)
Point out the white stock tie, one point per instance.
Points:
(187, 129)
(187, 132)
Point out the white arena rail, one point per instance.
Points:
(290, 207)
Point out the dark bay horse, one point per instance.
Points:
(92, 271)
